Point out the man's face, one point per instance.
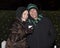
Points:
(25, 15)
(33, 13)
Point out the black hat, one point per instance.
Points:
(19, 12)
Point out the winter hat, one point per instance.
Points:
(30, 6)
(19, 12)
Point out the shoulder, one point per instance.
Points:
(47, 20)
(44, 18)
(14, 24)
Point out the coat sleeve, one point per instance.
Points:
(52, 32)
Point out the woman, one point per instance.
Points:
(17, 37)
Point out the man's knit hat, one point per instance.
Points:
(19, 12)
(30, 6)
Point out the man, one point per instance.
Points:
(43, 35)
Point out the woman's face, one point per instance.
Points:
(25, 15)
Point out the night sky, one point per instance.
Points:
(43, 4)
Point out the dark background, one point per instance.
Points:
(44, 4)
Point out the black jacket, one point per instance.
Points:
(43, 35)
